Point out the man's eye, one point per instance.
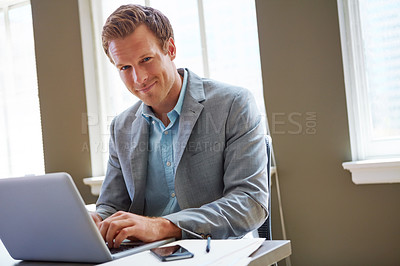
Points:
(146, 59)
(125, 67)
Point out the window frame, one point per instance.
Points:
(92, 83)
(5, 7)
(365, 167)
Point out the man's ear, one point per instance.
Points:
(171, 48)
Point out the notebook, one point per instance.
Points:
(43, 218)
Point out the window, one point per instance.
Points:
(370, 33)
(21, 150)
(210, 40)
(372, 65)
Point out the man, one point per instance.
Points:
(190, 157)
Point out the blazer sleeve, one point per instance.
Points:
(243, 205)
(113, 195)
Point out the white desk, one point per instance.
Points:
(269, 253)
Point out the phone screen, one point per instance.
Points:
(176, 252)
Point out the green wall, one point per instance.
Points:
(329, 219)
(62, 89)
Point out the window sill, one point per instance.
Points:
(94, 183)
(379, 171)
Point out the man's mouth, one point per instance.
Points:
(147, 88)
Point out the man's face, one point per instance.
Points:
(147, 71)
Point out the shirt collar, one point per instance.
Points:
(179, 104)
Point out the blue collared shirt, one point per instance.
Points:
(160, 198)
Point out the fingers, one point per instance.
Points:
(96, 218)
(122, 225)
(122, 235)
(114, 229)
(120, 213)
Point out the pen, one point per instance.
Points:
(208, 244)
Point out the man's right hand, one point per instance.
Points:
(96, 218)
(125, 225)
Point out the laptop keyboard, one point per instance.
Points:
(125, 246)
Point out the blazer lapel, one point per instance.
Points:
(139, 157)
(191, 111)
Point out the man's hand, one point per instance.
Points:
(96, 218)
(122, 225)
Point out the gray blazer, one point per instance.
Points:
(221, 179)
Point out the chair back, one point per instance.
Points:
(264, 230)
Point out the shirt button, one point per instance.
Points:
(153, 122)
(173, 194)
(166, 132)
(168, 163)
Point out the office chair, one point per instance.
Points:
(264, 230)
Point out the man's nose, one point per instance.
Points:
(139, 76)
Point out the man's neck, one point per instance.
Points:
(164, 119)
(162, 113)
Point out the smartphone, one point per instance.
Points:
(170, 253)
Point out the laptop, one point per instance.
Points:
(43, 218)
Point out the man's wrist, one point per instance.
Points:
(169, 229)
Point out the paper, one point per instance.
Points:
(223, 252)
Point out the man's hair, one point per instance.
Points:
(125, 19)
